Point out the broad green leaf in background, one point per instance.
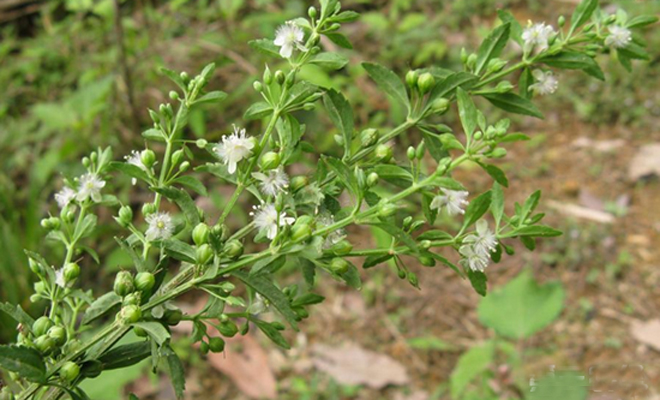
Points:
(471, 364)
(522, 307)
(24, 361)
(564, 385)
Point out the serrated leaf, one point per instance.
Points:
(272, 333)
(183, 200)
(155, 330)
(258, 110)
(388, 81)
(17, 313)
(467, 112)
(180, 250)
(513, 103)
(100, 307)
(24, 361)
(125, 355)
(477, 208)
(492, 46)
(329, 61)
(175, 371)
(192, 183)
(341, 114)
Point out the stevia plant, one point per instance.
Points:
(300, 218)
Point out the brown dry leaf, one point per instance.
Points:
(645, 163)
(351, 364)
(246, 364)
(647, 332)
(577, 211)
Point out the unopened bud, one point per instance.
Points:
(298, 182)
(145, 281)
(130, 314)
(411, 79)
(425, 82)
(387, 210)
(41, 326)
(69, 371)
(184, 166)
(201, 143)
(410, 153)
(58, 334)
(148, 158)
(372, 179)
(204, 253)
(149, 208)
(233, 249)
(339, 265)
(369, 137)
(440, 105)
(300, 232)
(177, 156)
(227, 328)
(561, 21)
(71, 272)
(200, 234)
(45, 344)
(311, 11)
(216, 345)
(471, 61)
(499, 152)
(504, 86)
(383, 152)
(270, 160)
(421, 149)
(279, 77)
(125, 216)
(341, 248)
(258, 87)
(124, 284)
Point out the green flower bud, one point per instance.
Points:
(478, 135)
(130, 314)
(425, 244)
(411, 79)
(270, 160)
(369, 137)
(258, 87)
(125, 215)
(425, 82)
(464, 55)
(86, 162)
(69, 371)
(305, 220)
(134, 299)
(71, 272)
(41, 326)
(309, 106)
(504, 86)
(204, 347)
(412, 278)
(200, 234)
(204, 253)
(298, 182)
(184, 77)
(410, 153)
(145, 281)
(440, 105)
(216, 345)
(173, 317)
(268, 76)
(148, 158)
(94, 157)
(300, 232)
(279, 77)
(471, 61)
(36, 267)
(228, 328)
(421, 149)
(372, 179)
(499, 152)
(124, 284)
(149, 208)
(334, 27)
(339, 139)
(341, 248)
(407, 222)
(184, 166)
(233, 249)
(279, 202)
(72, 346)
(174, 95)
(201, 143)
(139, 331)
(177, 157)
(339, 265)
(561, 21)
(154, 117)
(45, 344)
(383, 152)
(220, 232)
(426, 261)
(311, 11)
(386, 210)
(68, 215)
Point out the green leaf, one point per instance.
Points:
(470, 365)
(85, 228)
(155, 330)
(175, 370)
(129, 169)
(446, 182)
(515, 28)
(467, 112)
(582, 13)
(429, 214)
(388, 82)
(345, 16)
(329, 61)
(634, 52)
(273, 263)
(497, 203)
(399, 234)
(394, 174)
(174, 77)
(525, 81)
(522, 307)
(183, 200)
(511, 102)
(343, 173)
(534, 231)
(477, 208)
(101, 306)
(641, 20)
(300, 92)
(574, 60)
(492, 46)
(17, 313)
(24, 361)
(339, 39)
(272, 333)
(138, 262)
(447, 86)
(341, 114)
(433, 143)
(258, 110)
(478, 280)
(262, 283)
(154, 134)
(372, 261)
(496, 173)
(430, 343)
(435, 234)
(192, 184)
(180, 250)
(352, 277)
(125, 355)
(265, 46)
(211, 97)
(307, 299)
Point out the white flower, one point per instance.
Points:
(65, 196)
(473, 259)
(59, 278)
(537, 35)
(334, 237)
(90, 185)
(484, 241)
(273, 181)
(266, 219)
(453, 200)
(234, 148)
(160, 226)
(135, 159)
(289, 36)
(619, 37)
(258, 306)
(546, 82)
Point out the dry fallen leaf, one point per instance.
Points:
(351, 364)
(645, 163)
(246, 364)
(647, 332)
(581, 212)
(604, 146)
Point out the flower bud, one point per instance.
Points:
(45, 344)
(71, 272)
(464, 55)
(372, 179)
(298, 182)
(41, 326)
(174, 95)
(504, 86)
(125, 215)
(383, 152)
(341, 248)
(67, 214)
(309, 106)
(270, 160)
(421, 149)
(471, 61)
(154, 117)
(407, 222)
(220, 232)
(410, 153)
(233, 249)
(412, 279)
(305, 219)
(426, 261)
(499, 152)
(440, 105)
(425, 244)
(411, 79)
(300, 232)
(201, 143)
(258, 87)
(369, 137)
(173, 317)
(204, 254)
(227, 328)
(148, 158)
(36, 267)
(561, 21)
(268, 76)
(200, 234)
(69, 371)
(86, 162)
(149, 208)
(311, 11)
(145, 281)
(339, 139)
(58, 334)
(216, 345)
(177, 156)
(184, 77)
(124, 284)
(339, 265)
(386, 210)
(279, 77)
(279, 202)
(134, 299)
(184, 166)
(130, 314)
(425, 82)
(478, 135)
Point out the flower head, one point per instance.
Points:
(59, 278)
(266, 218)
(90, 186)
(135, 158)
(289, 36)
(160, 226)
(473, 259)
(273, 181)
(619, 37)
(334, 237)
(537, 36)
(65, 196)
(546, 82)
(234, 148)
(453, 200)
(483, 241)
